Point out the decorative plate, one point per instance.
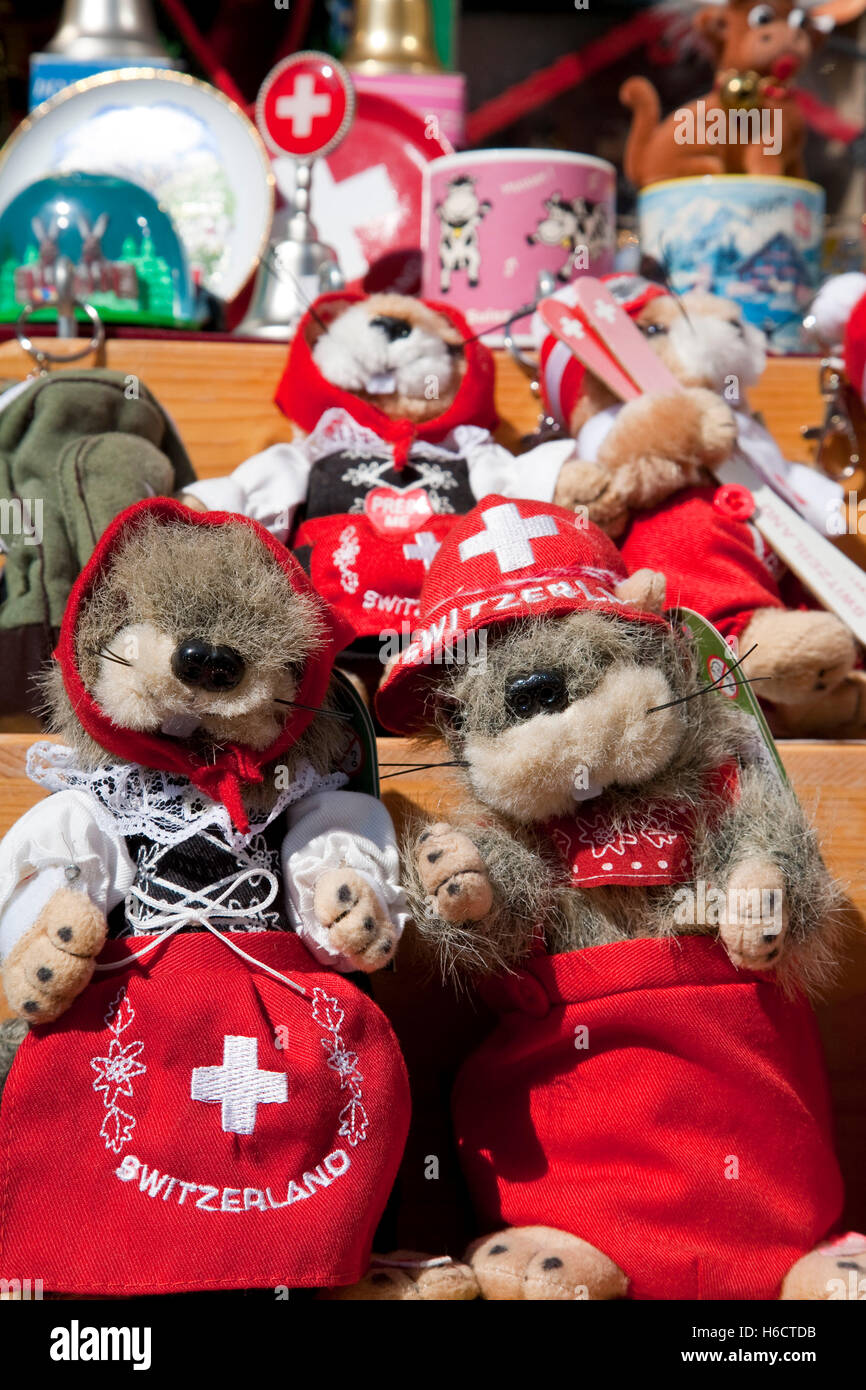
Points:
(179, 138)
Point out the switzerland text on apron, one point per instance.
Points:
(193, 1122)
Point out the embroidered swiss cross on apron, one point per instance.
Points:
(193, 1123)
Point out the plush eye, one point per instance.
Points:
(761, 15)
(735, 323)
(652, 330)
(542, 692)
(797, 18)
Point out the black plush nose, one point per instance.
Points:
(543, 692)
(392, 328)
(199, 664)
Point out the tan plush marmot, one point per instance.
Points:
(180, 922)
(641, 471)
(636, 893)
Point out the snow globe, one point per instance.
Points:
(129, 262)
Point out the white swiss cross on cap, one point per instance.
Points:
(508, 536)
(305, 105)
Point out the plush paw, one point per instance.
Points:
(832, 1272)
(407, 1277)
(716, 425)
(838, 713)
(645, 589)
(453, 874)
(801, 657)
(756, 917)
(357, 923)
(537, 1264)
(53, 961)
(594, 492)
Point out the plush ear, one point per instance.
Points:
(835, 12)
(645, 589)
(712, 26)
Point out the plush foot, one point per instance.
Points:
(53, 961)
(801, 657)
(754, 933)
(357, 922)
(833, 1271)
(838, 713)
(540, 1264)
(407, 1277)
(453, 874)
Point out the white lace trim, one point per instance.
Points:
(165, 807)
(338, 432)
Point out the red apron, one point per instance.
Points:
(192, 1123)
(686, 1132)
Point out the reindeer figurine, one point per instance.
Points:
(758, 49)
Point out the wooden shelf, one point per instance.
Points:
(221, 394)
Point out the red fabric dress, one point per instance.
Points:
(686, 1132)
(193, 1123)
(718, 564)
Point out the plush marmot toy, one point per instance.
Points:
(227, 1106)
(392, 402)
(639, 471)
(638, 896)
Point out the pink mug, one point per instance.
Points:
(492, 219)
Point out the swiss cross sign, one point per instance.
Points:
(305, 105)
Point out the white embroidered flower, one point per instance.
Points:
(114, 1073)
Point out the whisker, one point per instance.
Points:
(708, 691)
(112, 656)
(415, 767)
(657, 268)
(717, 684)
(331, 713)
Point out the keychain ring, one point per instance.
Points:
(41, 355)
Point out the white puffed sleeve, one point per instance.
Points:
(332, 830)
(268, 487)
(67, 841)
(492, 469)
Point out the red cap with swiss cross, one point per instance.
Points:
(505, 560)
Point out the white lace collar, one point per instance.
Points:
(166, 808)
(338, 432)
